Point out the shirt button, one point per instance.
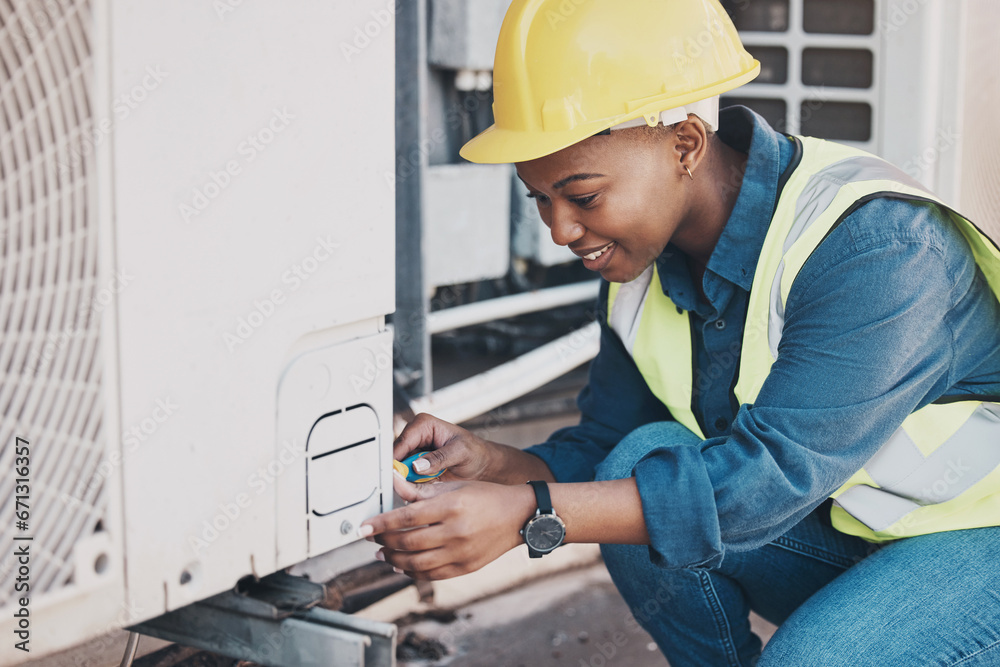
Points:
(720, 324)
(721, 423)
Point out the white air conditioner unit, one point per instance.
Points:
(914, 81)
(197, 258)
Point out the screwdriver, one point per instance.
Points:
(405, 468)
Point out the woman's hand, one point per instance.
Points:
(466, 456)
(450, 528)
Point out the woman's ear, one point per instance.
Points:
(690, 144)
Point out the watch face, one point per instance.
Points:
(545, 532)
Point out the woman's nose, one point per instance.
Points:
(563, 225)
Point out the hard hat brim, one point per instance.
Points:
(496, 146)
(499, 146)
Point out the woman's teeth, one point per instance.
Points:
(597, 253)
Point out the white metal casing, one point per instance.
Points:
(257, 308)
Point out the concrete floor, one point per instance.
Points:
(571, 619)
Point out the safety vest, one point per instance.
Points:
(941, 469)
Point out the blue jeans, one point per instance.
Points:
(839, 601)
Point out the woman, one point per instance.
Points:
(791, 408)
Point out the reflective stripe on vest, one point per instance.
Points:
(941, 469)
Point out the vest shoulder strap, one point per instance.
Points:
(830, 181)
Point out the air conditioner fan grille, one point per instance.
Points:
(50, 300)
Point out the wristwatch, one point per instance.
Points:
(545, 531)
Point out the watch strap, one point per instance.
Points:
(542, 496)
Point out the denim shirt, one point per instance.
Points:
(890, 313)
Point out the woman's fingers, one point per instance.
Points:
(408, 491)
(449, 569)
(413, 515)
(414, 562)
(427, 553)
(418, 539)
(418, 552)
(445, 446)
(456, 525)
(413, 436)
(444, 572)
(424, 432)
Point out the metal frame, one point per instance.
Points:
(509, 306)
(413, 343)
(481, 393)
(276, 623)
(413, 323)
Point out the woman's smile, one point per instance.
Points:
(598, 259)
(609, 199)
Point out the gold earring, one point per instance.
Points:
(689, 172)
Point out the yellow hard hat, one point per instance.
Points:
(567, 69)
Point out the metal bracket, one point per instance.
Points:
(275, 622)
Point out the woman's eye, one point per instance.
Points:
(583, 202)
(541, 199)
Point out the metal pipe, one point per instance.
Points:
(130, 648)
(412, 343)
(509, 306)
(481, 393)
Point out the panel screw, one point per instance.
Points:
(346, 528)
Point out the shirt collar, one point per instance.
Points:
(734, 258)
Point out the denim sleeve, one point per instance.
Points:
(887, 315)
(615, 402)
